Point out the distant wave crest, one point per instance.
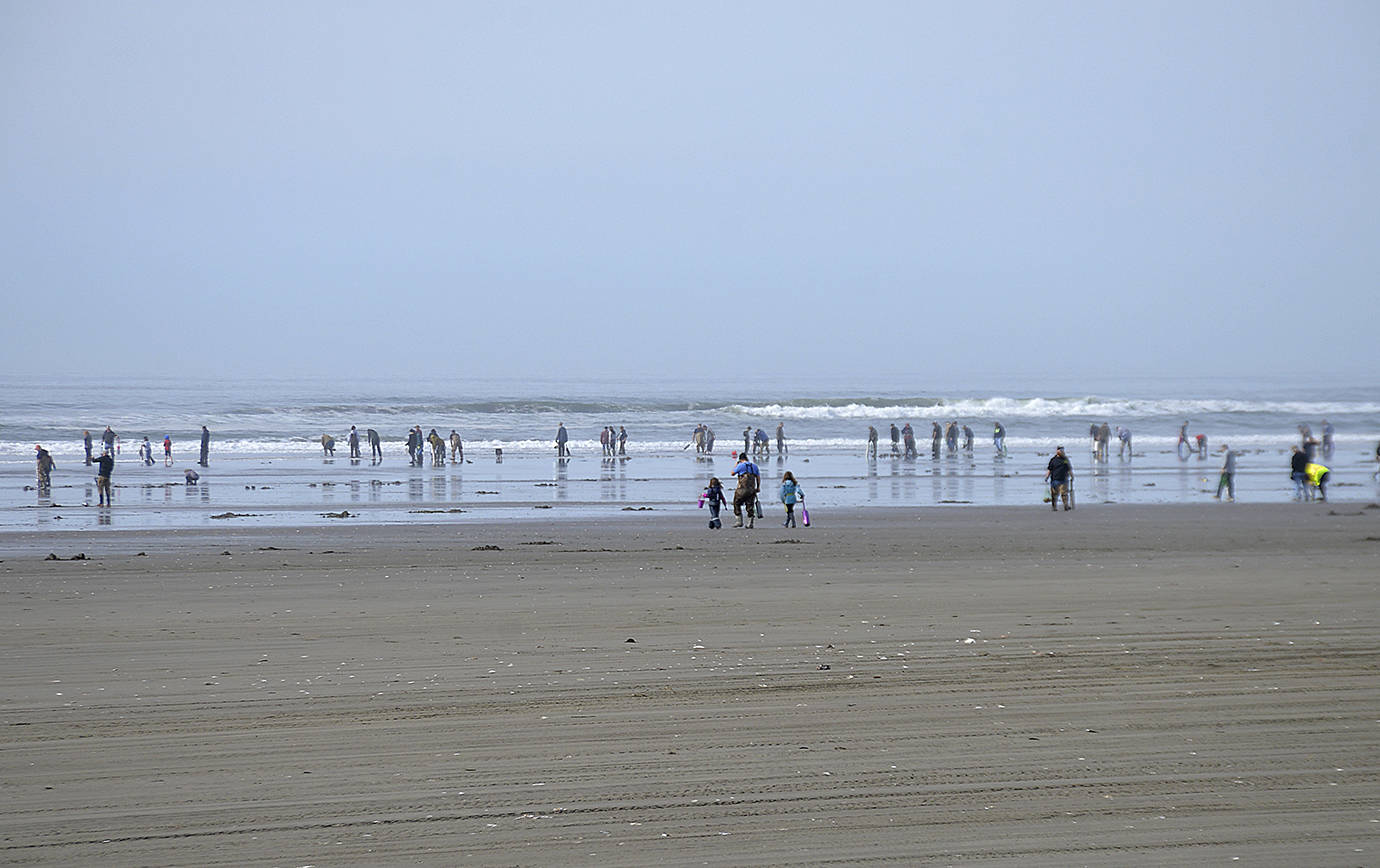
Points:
(1016, 408)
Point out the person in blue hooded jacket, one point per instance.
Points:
(791, 492)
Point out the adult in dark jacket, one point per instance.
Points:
(1059, 474)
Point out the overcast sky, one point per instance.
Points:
(690, 188)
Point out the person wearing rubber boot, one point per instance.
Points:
(1059, 474)
(745, 495)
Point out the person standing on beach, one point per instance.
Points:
(908, 437)
(1310, 448)
(561, 439)
(623, 440)
(1228, 478)
(790, 493)
(967, 439)
(951, 436)
(895, 439)
(1104, 441)
(999, 438)
(205, 447)
(44, 466)
(86, 441)
(1298, 464)
(780, 438)
(167, 451)
(1329, 433)
(1059, 474)
(714, 496)
(749, 481)
(354, 442)
(871, 441)
(108, 440)
(604, 441)
(375, 446)
(936, 435)
(457, 448)
(106, 466)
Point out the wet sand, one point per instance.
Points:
(1117, 685)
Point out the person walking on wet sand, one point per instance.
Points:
(375, 446)
(790, 493)
(1227, 479)
(749, 481)
(45, 464)
(714, 496)
(1059, 474)
(106, 466)
(205, 447)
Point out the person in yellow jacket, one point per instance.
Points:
(1317, 478)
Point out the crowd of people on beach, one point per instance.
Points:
(903, 439)
(1310, 477)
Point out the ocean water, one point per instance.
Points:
(267, 464)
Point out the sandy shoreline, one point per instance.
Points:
(1149, 685)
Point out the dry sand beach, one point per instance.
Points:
(1127, 685)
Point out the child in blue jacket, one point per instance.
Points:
(714, 495)
(790, 493)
